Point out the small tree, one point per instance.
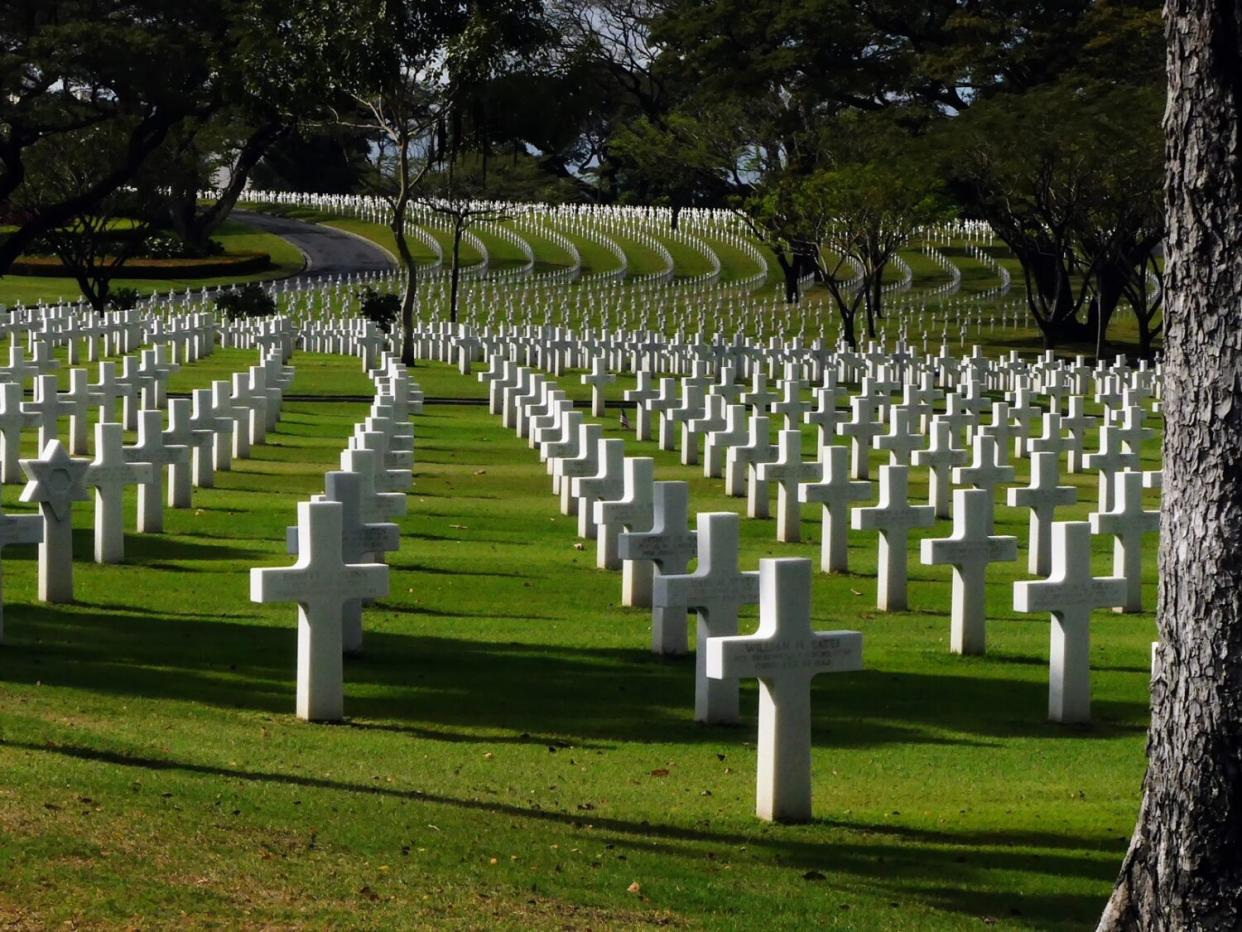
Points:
(250, 300)
(105, 231)
(462, 214)
(867, 212)
(382, 308)
(776, 213)
(417, 60)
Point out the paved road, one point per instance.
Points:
(328, 251)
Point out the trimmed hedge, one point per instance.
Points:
(246, 263)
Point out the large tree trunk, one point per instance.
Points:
(1145, 333)
(196, 225)
(789, 267)
(409, 296)
(455, 272)
(873, 287)
(1184, 866)
(1111, 286)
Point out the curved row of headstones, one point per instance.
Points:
(639, 521)
(342, 535)
(632, 301)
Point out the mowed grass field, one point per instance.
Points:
(515, 757)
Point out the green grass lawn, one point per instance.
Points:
(236, 237)
(515, 757)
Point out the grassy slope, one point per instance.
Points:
(236, 237)
(596, 257)
(515, 757)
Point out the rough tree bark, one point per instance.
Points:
(1184, 866)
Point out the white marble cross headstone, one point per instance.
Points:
(969, 550)
(1076, 424)
(834, 490)
(787, 471)
(599, 379)
(903, 437)
(631, 511)
(13, 418)
(785, 655)
(1110, 460)
(150, 448)
(940, 457)
(1070, 594)
(893, 516)
(585, 462)
(361, 542)
(825, 415)
(985, 470)
(861, 428)
(715, 590)
(669, 545)
(741, 459)
(321, 582)
(607, 482)
(719, 442)
(1127, 522)
(109, 473)
(1042, 497)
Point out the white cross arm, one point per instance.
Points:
(954, 552)
(304, 585)
(746, 656)
(695, 591)
(1055, 595)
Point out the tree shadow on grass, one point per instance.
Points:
(408, 566)
(1028, 661)
(969, 873)
(424, 536)
(166, 547)
(597, 694)
(427, 612)
(439, 734)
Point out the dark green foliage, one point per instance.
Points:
(123, 299)
(247, 301)
(380, 307)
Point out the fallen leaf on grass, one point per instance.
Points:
(661, 772)
(855, 591)
(634, 887)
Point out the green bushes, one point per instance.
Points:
(247, 301)
(381, 308)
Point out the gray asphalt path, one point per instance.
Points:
(329, 252)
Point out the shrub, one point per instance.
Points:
(381, 308)
(247, 301)
(123, 299)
